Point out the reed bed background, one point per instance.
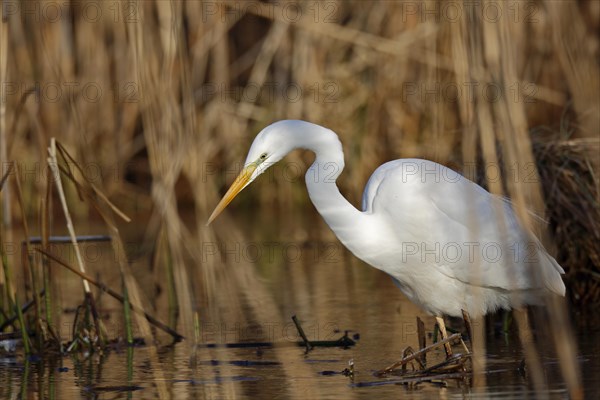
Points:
(158, 102)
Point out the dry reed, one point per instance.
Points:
(156, 98)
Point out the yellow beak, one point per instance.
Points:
(240, 182)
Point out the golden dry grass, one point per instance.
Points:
(156, 99)
(178, 90)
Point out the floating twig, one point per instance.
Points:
(67, 239)
(343, 342)
(301, 332)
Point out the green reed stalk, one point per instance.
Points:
(127, 313)
(129, 367)
(171, 290)
(27, 261)
(46, 271)
(25, 381)
(14, 301)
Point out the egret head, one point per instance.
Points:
(269, 146)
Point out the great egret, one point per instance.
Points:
(448, 244)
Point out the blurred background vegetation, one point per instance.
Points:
(159, 101)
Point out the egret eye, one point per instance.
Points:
(263, 157)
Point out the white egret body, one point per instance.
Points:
(448, 244)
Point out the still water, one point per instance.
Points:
(308, 275)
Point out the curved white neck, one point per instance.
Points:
(342, 217)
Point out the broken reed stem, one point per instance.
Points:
(460, 359)
(53, 163)
(69, 160)
(115, 295)
(418, 354)
(133, 293)
(408, 352)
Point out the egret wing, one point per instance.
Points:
(458, 228)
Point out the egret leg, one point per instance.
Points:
(442, 326)
(467, 320)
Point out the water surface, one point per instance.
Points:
(309, 275)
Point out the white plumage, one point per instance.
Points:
(448, 243)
